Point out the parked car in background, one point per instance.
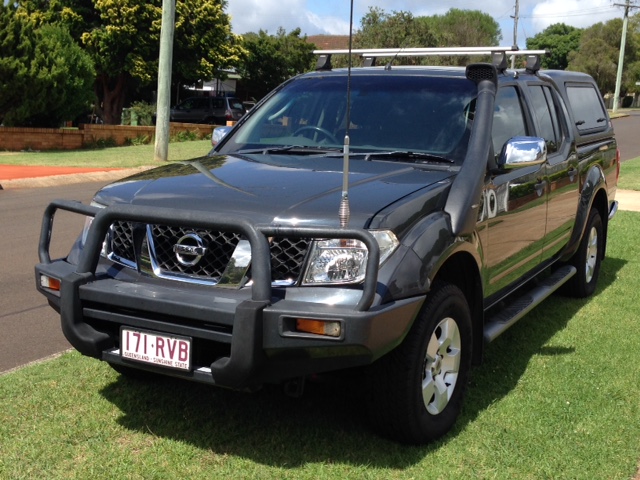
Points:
(212, 110)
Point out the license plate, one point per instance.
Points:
(157, 349)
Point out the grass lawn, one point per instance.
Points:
(630, 175)
(117, 157)
(557, 397)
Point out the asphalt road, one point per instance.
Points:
(29, 328)
(628, 135)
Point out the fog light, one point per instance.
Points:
(319, 327)
(49, 282)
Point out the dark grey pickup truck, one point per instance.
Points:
(396, 219)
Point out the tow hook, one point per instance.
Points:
(294, 388)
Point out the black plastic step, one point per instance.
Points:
(514, 311)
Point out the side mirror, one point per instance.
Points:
(218, 134)
(521, 152)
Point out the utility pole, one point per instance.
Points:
(515, 32)
(164, 80)
(625, 21)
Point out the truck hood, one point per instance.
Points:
(276, 189)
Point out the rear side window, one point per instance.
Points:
(587, 106)
(546, 113)
(202, 103)
(236, 104)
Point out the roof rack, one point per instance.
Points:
(498, 54)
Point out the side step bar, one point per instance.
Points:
(513, 312)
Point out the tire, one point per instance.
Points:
(587, 259)
(416, 390)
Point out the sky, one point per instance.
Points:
(331, 17)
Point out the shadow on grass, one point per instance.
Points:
(328, 423)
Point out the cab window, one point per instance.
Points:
(508, 117)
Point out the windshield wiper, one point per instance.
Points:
(408, 155)
(290, 149)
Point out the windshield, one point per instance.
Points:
(407, 113)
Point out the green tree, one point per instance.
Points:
(465, 28)
(272, 59)
(560, 40)
(379, 29)
(598, 53)
(124, 46)
(122, 37)
(16, 46)
(46, 77)
(204, 45)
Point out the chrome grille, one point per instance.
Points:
(287, 254)
(121, 243)
(220, 247)
(287, 258)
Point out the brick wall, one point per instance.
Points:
(17, 139)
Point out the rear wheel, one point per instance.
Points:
(417, 389)
(587, 259)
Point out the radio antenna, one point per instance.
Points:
(343, 212)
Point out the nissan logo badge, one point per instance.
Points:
(189, 250)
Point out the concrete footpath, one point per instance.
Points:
(628, 200)
(15, 176)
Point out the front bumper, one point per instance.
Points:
(242, 338)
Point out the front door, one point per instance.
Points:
(515, 211)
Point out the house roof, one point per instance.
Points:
(329, 42)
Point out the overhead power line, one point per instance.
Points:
(573, 13)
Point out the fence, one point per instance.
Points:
(86, 135)
(630, 101)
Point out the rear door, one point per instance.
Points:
(562, 168)
(192, 110)
(218, 111)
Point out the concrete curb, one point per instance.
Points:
(54, 180)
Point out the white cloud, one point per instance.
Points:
(332, 16)
(581, 14)
(269, 15)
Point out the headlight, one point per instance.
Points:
(341, 261)
(87, 224)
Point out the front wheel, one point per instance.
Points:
(417, 389)
(587, 259)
